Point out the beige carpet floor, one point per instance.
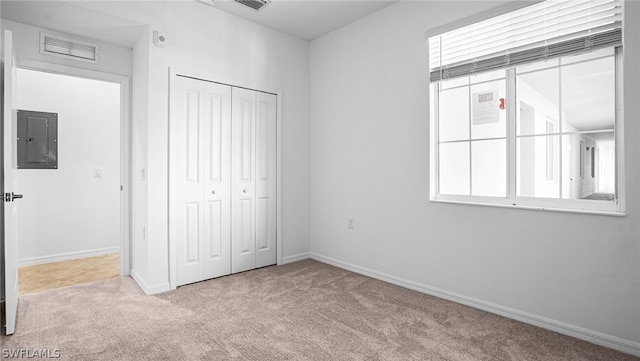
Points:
(301, 311)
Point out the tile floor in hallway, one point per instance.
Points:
(49, 276)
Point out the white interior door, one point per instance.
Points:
(243, 201)
(253, 173)
(10, 173)
(200, 180)
(266, 186)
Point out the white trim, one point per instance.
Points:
(147, 289)
(173, 278)
(279, 227)
(214, 77)
(619, 131)
(125, 143)
(511, 131)
(581, 333)
(507, 204)
(294, 258)
(31, 261)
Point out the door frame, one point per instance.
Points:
(203, 75)
(125, 143)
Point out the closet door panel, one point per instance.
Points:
(266, 170)
(243, 232)
(200, 196)
(217, 169)
(187, 183)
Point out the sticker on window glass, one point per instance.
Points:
(485, 107)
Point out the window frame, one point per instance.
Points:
(550, 151)
(615, 207)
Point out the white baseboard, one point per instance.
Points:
(294, 258)
(66, 256)
(146, 288)
(595, 337)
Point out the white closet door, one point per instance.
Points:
(200, 175)
(266, 179)
(243, 196)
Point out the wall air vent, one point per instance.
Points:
(254, 4)
(68, 48)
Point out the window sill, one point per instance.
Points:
(489, 203)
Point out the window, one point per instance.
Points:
(518, 122)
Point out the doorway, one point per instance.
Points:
(72, 225)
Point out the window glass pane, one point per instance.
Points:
(455, 82)
(488, 118)
(539, 65)
(538, 167)
(488, 75)
(432, 100)
(588, 95)
(454, 168)
(587, 56)
(489, 168)
(454, 114)
(588, 166)
(537, 101)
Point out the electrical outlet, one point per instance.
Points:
(349, 222)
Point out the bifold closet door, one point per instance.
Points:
(200, 175)
(253, 179)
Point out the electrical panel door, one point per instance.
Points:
(37, 140)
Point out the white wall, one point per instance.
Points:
(370, 161)
(231, 50)
(113, 59)
(67, 212)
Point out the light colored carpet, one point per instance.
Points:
(301, 311)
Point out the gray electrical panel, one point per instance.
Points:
(37, 140)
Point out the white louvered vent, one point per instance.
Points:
(254, 4)
(68, 48)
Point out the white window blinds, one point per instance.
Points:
(549, 29)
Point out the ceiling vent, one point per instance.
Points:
(254, 4)
(68, 48)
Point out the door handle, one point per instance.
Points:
(10, 197)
